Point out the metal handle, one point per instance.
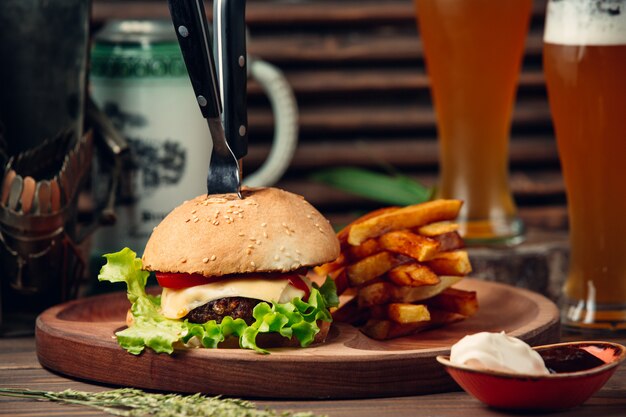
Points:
(229, 28)
(195, 43)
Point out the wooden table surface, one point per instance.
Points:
(19, 368)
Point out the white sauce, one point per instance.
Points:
(497, 352)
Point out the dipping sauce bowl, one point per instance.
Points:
(578, 370)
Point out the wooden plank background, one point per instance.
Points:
(357, 69)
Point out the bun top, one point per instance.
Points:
(269, 230)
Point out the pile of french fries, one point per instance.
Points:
(399, 265)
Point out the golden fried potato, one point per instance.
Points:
(413, 294)
(412, 275)
(328, 268)
(368, 248)
(449, 241)
(371, 267)
(343, 233)
(407, 313)
(450, 263)
(406, 243)
(386, 329)
(438, 228)
(454, 300)
(374, 294)
(405, 218)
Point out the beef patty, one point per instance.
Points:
(235, 307)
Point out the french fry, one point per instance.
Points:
(374, 294)
(454, 300)
(413, 294)
(412, 275)
(371, 267)
(449, 241)
(405, 218)
(343, 233)
(406, 243)
(451, 263)
(386, 329)
(407, 313)
(368, 248)
(440, 318)
(327, 268)
(377, 329)
(438, 228)
(341, 280)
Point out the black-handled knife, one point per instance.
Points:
(229, 46)
(191, 27)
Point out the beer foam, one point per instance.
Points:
(586, 22)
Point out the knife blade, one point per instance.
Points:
(229, 46)
(193, 35)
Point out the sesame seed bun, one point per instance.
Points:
(269, 230)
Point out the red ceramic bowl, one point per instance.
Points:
(555, 391)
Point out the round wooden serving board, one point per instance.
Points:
(77, 339)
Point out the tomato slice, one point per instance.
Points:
(298, 282)
(178, 281)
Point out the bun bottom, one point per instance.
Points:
(275, 340)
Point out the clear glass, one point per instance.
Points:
(473, 51)
(585, 69)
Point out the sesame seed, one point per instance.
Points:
(284, 225)
(253, 239)
(239, 215)
(308, 216)
(295, 265)
(265, 235)
(241, 234)
(249, 251)
(183, 260)
(317, 225)
(187, 221)
(258, 242)
(282, 249)
(250, 246)
(276, 257)
(195, 219)
(213, 257)
(193, 211)
(216, 222)
(205, 260)
(252, 263)
(298, 252)
(264, 224)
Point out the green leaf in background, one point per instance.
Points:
(390, 189)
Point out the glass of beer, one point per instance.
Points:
(585, 67)
(473, 51)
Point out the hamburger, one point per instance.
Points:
(233, 273)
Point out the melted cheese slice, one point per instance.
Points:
(176, 304)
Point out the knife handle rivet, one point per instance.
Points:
(202, 101)
(183, 31)
(242, 61)
(242, 130)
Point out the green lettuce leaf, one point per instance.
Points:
(150, 328)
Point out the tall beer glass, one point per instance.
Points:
(585, 68)
(473, 51)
